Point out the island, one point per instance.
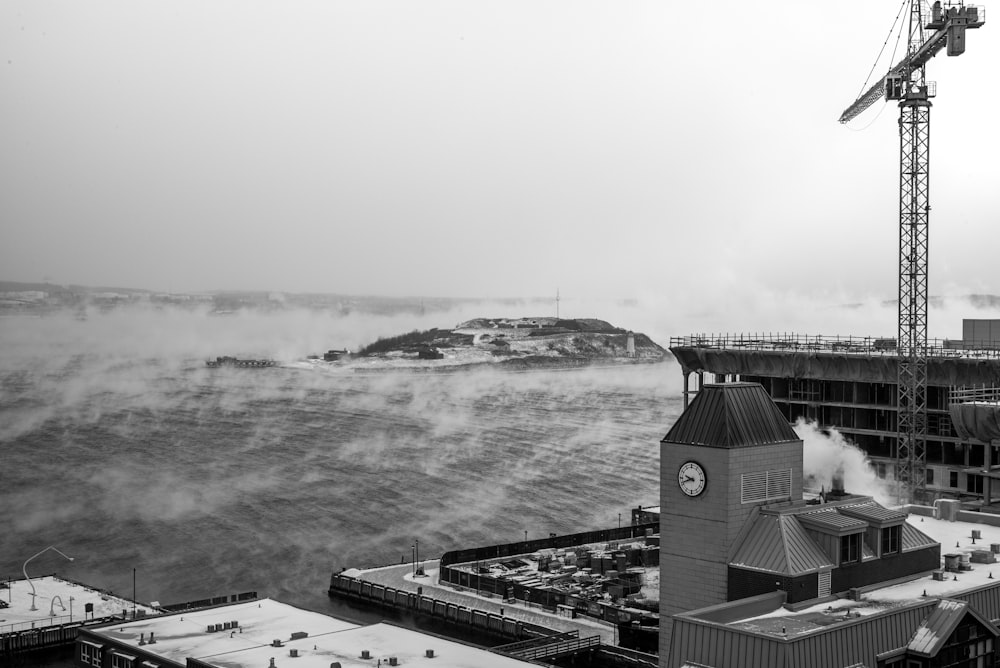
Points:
(513, 343)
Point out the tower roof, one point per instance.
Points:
(731, 415)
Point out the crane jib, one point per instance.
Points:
(950, 25)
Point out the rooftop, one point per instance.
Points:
(186, 634)
(266, 629)
(956, 538)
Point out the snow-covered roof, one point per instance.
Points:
(954, 537)
(57, 601)
(186, 634)
(266, 629)
(381, 641)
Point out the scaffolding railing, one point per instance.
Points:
(965, 394)
(859, 345)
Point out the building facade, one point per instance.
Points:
(850, 384)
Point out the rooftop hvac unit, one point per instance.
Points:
(430, 654)
(365, 654)
(293, 652)
(276, 642)
(976, 534)
(393, 661)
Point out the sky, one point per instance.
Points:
(490, 149)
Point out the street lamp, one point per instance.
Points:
(24, 569)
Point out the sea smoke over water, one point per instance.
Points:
(122, 449)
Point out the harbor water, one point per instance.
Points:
(125, 451)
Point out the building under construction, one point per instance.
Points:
(850, 384)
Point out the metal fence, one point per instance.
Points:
(861, 345)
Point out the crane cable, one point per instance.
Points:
(899, 34)
(895, 23)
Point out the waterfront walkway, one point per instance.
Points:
(401, 577)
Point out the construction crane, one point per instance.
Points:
(907, 83)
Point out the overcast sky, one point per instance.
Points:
(478, 148)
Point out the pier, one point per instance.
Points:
(527, 628)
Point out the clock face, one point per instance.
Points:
(691, 478)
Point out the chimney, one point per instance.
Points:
(837, 486)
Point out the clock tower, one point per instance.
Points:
(728, 453)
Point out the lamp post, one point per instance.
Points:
(413, 559)
(24, 569)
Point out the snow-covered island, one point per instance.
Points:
(512, 343)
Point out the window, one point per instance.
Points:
(122, 661)
(850, 548)
(890, 540)
(953, 479)
(90, 653)
(929, 476)
(974, 483)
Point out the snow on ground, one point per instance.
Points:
(56, 601)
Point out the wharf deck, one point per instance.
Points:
(401, 577)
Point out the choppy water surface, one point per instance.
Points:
(123, 450)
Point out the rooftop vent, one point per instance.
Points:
(365, 654)
(293, 652)
(335, 664)
(211, 628)
(276, 642)
(152, 640)
(393, 661)
(430, 654)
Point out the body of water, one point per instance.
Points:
(121, 448)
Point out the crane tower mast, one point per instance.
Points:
(906, 82)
